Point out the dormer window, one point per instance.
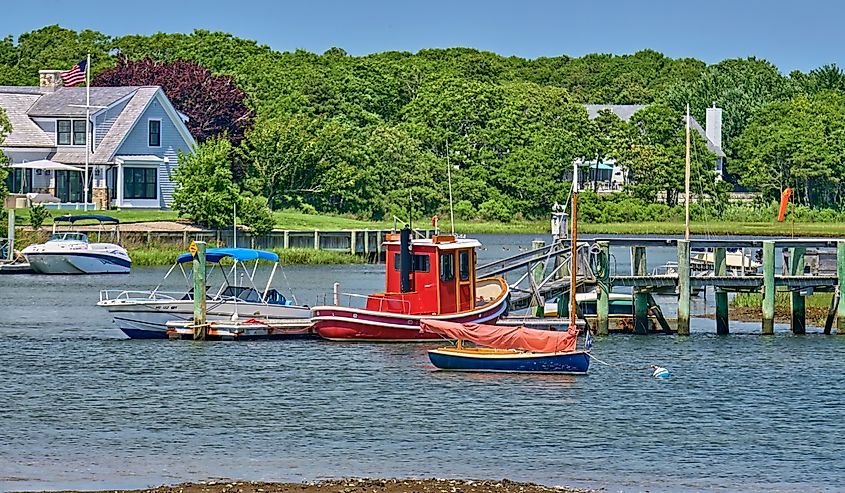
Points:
(155, 133)
(70, 132)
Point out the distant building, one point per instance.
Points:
(136, 135)
(610, 176)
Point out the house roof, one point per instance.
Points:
(623, 111)
(626, 111)
(124, 123)
(25, 133)
(25, 103)
(66, 101)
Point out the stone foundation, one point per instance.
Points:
(100, 197)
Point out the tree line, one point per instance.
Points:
(377, 135)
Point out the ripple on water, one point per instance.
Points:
(85, 408)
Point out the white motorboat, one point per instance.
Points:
(144, 314)
(72, 253)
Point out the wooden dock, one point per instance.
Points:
(795, 280)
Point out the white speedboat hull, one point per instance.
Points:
(78, 262)
(141, 319)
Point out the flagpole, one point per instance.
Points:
(87, 129)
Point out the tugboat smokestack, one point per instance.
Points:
(405, 260)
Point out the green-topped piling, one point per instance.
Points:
(683, 287)
(197, 249)
(638, 267)
(798, 311)
(768, 287)
(721, 270)
(537, 270)
(603, 301)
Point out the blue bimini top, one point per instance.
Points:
(214, 255)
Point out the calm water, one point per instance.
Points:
(83, 407)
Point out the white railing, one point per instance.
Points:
(114, 294)
(361, 301)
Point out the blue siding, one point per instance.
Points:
(137, 143)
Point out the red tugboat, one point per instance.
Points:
(426, 279)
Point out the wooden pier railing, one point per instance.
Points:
(794, 280)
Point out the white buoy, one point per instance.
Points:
(660, 372)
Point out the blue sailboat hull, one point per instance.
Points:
(577, 362)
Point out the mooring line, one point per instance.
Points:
(621, 367)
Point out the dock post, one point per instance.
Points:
(768, 287)
(353, 236)
(286, 239)
(378, 246)
(638, 266)
(796, 268)
(11, 252)
(316, 239)
(721, 270)
(367, 244)
(538, 269)
(683, 288)
(840, 275)
(603, 302)
(197, 248)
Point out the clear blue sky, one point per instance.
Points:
(793, 35)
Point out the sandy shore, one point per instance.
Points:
(363, 486)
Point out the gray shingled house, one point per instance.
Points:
(136, 136)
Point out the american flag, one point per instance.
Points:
(75, 75)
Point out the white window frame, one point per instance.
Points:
(149, 121)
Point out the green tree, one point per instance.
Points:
(654, 154)
(798, 143)
(255, 215)
(206, 192)
(5, 129)
(739, 86)
(277, 154)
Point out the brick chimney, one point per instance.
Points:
(50, 79)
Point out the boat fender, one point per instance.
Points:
(660, 372)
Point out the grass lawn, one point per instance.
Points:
(294, 220)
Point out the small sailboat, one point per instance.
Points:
(515, 349)
(506, 349)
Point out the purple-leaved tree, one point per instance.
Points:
(213, 103)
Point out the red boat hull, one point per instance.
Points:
(338, 323)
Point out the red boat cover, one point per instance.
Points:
(501, 337)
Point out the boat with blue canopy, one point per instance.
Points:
(144, 314)
(71, 252)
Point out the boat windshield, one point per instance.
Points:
(69, 237)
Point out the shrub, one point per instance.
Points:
(37, 215)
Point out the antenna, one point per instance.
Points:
(686, 183)
(449, 176)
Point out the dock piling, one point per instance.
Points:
(11, 252)
(199, 264)
(683, 287)
(721, 270)
(538, 268)
(353, 235)
(840, 274)
(768, 287)
(798, 311)
(638, 266)
(603, 301)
